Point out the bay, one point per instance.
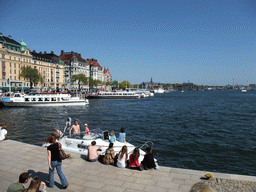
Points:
(201, 130)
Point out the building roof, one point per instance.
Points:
(41, 56)
(67, 56)
(8, 40)
(93, 62)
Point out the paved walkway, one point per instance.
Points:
(17, 157)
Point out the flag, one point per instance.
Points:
(68, 81)
(8, 81)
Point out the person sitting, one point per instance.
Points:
(122, 157)
(112, 138)
(35, 185)
(134, 159)
(86, 131)
(148, 162)
(93, 154)
(75, 128)
(122, 136)
(20, 185)
(3, 132)
(109, 156)
(58, 133)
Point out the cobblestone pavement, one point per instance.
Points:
(17, 157)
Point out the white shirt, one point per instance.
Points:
(121, 162)
(3, 132)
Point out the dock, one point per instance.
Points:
(17, 157)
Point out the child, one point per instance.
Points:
(112, 138)
(86, 131)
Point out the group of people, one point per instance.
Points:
(121, 159)
(36, 184)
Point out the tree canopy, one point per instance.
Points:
(31, 74)
(125, 84)
(115, 82)
(81, 78)
(94, 82)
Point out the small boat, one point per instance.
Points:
(159, 90)
(79, 143)
(19, 100)
(119, 95)
(244, 90)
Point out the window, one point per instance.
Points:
(3, 56)
(10, 64)
(10, 71)
(19, 59)
(24, 60)
(14, 77)
(10, 57)
(19, 65)
(14, 64)
(14, 58)
(15, 72)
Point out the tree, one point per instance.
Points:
(125, 84)
(94, 82)
(31, 74)
(80, 78)
(115, 83)
(108, 83)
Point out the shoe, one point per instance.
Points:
(65, 187)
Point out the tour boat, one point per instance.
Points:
(79, 143)
(119, 95)
(19, 100)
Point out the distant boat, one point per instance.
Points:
(118, 95)
(159, 90)
(243, 90)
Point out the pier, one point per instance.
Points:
(17, 157)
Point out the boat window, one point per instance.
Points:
(53, 98)
(34, 99)
(58, 99)
(26, 99)
(40, 99)
(46, 99)
(120, 93)
(17, 95)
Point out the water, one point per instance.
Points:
(212, 131)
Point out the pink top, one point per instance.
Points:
(92, 152)
(86, 131)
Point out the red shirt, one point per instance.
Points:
(133, 163)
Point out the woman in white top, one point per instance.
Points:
(122, 157)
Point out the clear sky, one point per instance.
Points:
(172, 41)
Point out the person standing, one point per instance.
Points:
(86, 131)
(54, 161)
(3, 132)
(122, 136)
(20, 185)
(75, 128)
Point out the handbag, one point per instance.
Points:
(62, 153)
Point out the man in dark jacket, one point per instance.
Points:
(148, 161)
(20, 185)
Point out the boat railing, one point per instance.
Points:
(143, 145)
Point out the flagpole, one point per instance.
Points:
(10, 85)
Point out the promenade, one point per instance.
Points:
(17, 157)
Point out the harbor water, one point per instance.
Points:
(202, 130)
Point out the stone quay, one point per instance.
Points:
(17, 157)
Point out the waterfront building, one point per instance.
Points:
(51, 68)
(74, 64)
(14, 55)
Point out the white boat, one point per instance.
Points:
(79, 143)
(19, 100)
(119, 95)
(159, 90)
(244, 90)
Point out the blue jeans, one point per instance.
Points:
(59, 172)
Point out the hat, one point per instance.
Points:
(85, 124)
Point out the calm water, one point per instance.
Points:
(212, 131)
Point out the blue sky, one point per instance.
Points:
(172, 41)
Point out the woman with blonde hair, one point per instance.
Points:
(122, 157)
(35, 185)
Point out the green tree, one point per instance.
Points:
(108, 83)
(125, 84)
(31, 74)
(80, 78)
(115, 82)
(94, 82)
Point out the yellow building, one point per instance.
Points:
(14, 55)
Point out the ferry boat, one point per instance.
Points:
(119, 95)
(79, 143)
(19, 100)
(160, 90)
